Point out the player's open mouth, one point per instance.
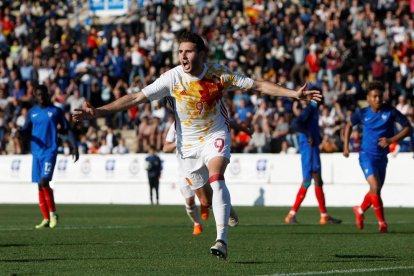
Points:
(186, 65)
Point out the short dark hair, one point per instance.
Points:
(42, 89)
(375, 85)
(194, 38)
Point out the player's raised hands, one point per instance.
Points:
(87, 112)
(308, 95)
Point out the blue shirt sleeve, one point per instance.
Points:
(356, 117)
(400, 118)
(27, 127)
(306, 113)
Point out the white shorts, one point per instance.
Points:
(182, 183)
(195, 167)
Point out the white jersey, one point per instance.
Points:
(198, 101)
(171, 134)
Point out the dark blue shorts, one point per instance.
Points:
(373, 165)
(311, 159)
(43, 167)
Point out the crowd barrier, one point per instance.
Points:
(253, 179)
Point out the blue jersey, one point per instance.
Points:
(377, 125)
(307, 123)
(42, 124)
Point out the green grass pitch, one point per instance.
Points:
(157, 240)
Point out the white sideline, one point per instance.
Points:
(347, 271)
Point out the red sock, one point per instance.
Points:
(43, 205)
(50, 201)
(378, 207)
(321, 199)
(299, 198)
(366, 203)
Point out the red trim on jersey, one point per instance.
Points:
(216, 177)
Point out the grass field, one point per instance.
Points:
(157, 240)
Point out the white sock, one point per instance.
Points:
(193, 214)
(221, 208)
(52, 213)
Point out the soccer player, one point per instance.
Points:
(188, 194)
(307, 125)
(203, 131)
(377, 134)
(154, 168)
(42, 127)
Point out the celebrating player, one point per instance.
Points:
(378, 133)
(307, 124)
(203, 132)
(42, 127)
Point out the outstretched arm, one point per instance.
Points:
(385, 142)
(88, 112)
(168, 147)
(272, 89)
(405, 131)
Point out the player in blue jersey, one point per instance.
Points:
(42, 127)
(378, 122)
(307, 125)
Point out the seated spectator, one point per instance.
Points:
(244, 113)
(103, 147)
(94, 147)
(75, 101)
(403, 106)
(328, 145)
(121, 147)
(257, 142)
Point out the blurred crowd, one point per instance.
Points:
(335, 46)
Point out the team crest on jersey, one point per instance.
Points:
(384, 116)
(50, 114)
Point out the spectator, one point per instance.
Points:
(257, 142)
(121, 147)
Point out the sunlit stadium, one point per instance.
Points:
(118, 118)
